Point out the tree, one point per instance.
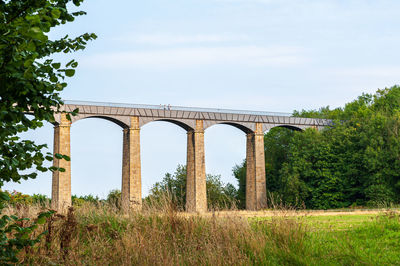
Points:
(276, 146)
(30, 82)
(171, 186)
(219, 195)
(356, 161)
(239, 172)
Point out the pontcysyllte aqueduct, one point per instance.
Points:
(195, 121)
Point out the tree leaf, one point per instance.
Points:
(56, 65)
(69, 72)
(4, 196)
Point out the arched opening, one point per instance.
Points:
(184, 126)
(96, 157)
(277, 142)
(238, 126)
(111, 119)
(294, 128)
(225, 147)
(163, 147)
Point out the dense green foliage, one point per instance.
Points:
(19, 199)
(30, 82)
(219, 195)
(354, 162)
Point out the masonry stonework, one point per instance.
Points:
(190, 183)
(131, 192)
(250, 172)
(261, 187)
(194, 121)
(61, 184)
(196, 195)
(256, 191)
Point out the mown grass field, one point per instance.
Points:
(92, 235)
(344, 239)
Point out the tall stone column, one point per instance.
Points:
(196, 195)
(190, 184)
(256, 191)
(250, 173)
(131, 192)
(61, 184)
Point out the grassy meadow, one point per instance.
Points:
(100, 235)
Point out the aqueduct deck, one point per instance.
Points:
(131, 117)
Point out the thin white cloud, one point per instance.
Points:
(368, 72)
(192, 57)
(250, 1)
(179, 39)
(266, 2)
(262, 103)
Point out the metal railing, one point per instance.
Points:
(177, 108)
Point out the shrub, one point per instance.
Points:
(114, 198)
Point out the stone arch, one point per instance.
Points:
(291, 127)
(122, 121)
(102, 137)
(187, 125)
(267, 127)
(245, 127)
(164, 145)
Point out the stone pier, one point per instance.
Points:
(131, 192)
(61, 184)
(256, 191)
(131, 117)
(196, 196)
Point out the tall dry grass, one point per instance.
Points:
(159, 235)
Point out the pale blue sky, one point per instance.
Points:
(271, 55)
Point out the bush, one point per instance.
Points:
(173, 187)
(114, 198)
(83, 199)
(18, 198)
(41, 200)
(379, 196)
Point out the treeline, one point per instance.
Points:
(354, 162)
(170, 191)
(18, 198)
(173, 188)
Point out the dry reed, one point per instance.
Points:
(158, 235)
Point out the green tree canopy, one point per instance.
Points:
(219, 195)
(356, 161)
(30, 82)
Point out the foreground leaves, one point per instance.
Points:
(30, 83)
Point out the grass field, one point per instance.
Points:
(358, 239)
(93, 235)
